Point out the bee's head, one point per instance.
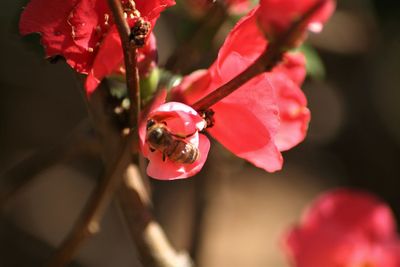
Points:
(150, 123)
(155, 135)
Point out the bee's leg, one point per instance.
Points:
(152, 149)
(163, 156)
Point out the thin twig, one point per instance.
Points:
(153, 246)
(253, 70)
(271, 56)
(116, 155)
(89, 222)
(130, 58)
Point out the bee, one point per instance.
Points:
(172, 146)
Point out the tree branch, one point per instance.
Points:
(116, 153)
(88, 223)
(130, 59)
(153, 246)
(271, 56)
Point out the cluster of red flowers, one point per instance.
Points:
(262, 118)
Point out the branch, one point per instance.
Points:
(271, 56)
(153, 246)
(130, 59)
(118, 152)
(89, 222)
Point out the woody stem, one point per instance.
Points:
(271, 56)
(130, 59)
(153, 246)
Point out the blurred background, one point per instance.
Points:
(231, 214)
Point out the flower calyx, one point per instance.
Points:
(208, 116)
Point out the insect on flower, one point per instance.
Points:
(171, 139)
(173, 146)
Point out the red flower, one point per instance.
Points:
(170, 139)
(348, 229)
(266, 115)
(83, 32)
(276, 16)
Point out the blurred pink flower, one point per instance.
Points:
(345, 228)
(181, 124)
(276, 16)
(266, 115)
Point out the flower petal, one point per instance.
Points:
(246, 123)
(169, 170)
(276, 16)
(245, 39)
(293, 66)
(293, 112)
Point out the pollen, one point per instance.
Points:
(106, 19)
(136, 13)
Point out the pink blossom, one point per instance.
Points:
(293, 112)
(266, 115)
(276, 16)
(345, 228)
(83, 31)
(185, 124)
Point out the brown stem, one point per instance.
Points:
(130, 59)
(266, 62)
(253, 70)
(89, 221)
(116, 155)
(153, 246)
